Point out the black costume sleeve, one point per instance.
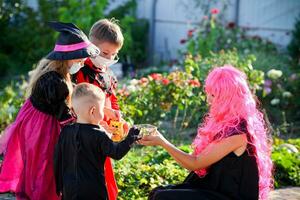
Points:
(118, 150)
(49, 95)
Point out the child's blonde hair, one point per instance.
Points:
(106, 30)
(44, 66)
(91, 92)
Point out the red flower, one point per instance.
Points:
(156, 76)
(190, 33)
(214, 11)
(182, 41)
(165, 81)
(194, 83)
(231, 25)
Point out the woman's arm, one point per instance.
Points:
(211, 154)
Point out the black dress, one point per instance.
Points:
(79, 161)
(231, 178)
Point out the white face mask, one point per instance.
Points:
(100, 61)
(75, 68)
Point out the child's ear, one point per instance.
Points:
(92, 110)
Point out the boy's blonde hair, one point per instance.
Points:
(88, 91)
(106, 30)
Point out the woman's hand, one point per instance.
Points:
(154, 139)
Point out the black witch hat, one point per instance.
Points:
(71, 43)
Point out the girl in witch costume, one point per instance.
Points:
(107, 36)
(231, 158)
(28, 143)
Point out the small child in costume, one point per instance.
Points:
(107, 36)
(83, 147)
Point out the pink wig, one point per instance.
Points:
(233, 102)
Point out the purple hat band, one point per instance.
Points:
(71, 47)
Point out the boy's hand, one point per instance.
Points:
(107, 128)
(133, 134)
(112, 114)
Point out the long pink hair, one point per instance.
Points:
(233, 102)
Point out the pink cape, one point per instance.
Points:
(27, 168)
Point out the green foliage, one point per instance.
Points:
(145, 168)
(294, 46)
(287, 162)
(11, 100)
(26, 37)
(135, 32)
(83, 13)
(200, 66)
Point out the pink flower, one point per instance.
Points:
(156, 76)
(165, 81)
(123, 92)
(144, 81)
(194, 83)
(214, 11)
(205, 17)
(182, 41)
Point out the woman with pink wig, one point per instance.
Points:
(231, 158)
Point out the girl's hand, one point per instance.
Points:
(153, 140)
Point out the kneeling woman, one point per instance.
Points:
(231, 158)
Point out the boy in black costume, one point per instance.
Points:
(83, 147)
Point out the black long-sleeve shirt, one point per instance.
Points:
(79, 161)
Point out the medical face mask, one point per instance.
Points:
(75, 68)
(100, 61)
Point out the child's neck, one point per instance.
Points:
(85, 121)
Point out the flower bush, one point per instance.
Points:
(160, 97)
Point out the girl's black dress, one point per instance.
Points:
(232, 178)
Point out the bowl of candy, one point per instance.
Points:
(146, 129)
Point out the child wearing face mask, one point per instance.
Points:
(107, 36)
(83, 147)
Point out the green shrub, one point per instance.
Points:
(294, 46)
(145, 168)
(11, 100)
(287, 162)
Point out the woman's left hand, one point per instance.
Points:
(153, 140)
